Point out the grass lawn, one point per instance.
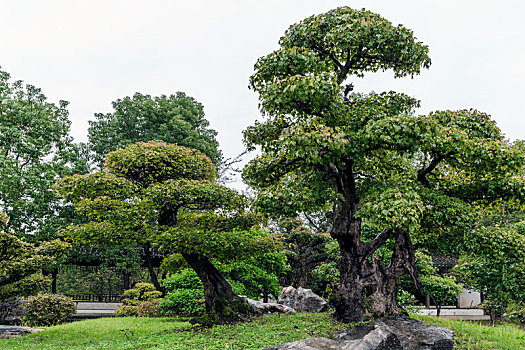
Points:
(166, 333)
(476, 336)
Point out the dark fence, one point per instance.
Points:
(103, 298)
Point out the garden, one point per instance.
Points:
(351, 196)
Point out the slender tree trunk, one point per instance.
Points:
(223, 305)
(152, 273)
(54, 274)
(126, 280)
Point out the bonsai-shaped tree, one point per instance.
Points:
(166, 195)
(368, 155)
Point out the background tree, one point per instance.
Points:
(368, 154)
(21, 263)
(166, 195)
(494, 264)
(177, 119)
(35, 150)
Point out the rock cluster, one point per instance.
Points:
(389, 333)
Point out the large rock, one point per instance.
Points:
(16, 331)
(302, 300)
(389, 333)
(268, 308)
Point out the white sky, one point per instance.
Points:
(93, 52)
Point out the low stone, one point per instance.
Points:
(389, 333)
(302, 300)
(268, 308)
(16, 331)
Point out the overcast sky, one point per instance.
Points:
(93, 52)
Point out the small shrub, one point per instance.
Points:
(184, 302)
(142, 292)
(150, 309)
(48, 310)
(515, 312)
(127, 310)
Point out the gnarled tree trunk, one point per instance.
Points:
(367, 288)
(223, 305)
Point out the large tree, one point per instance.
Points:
(177, 119)
(368, 154)
(164, 195)
(35, 150)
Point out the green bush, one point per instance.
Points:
(142, 292)
(184, 279)
(48, 310)
(150, 309)
(184, 302)
(515, 312)
(127, 310)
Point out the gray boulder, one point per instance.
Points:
(268, 308)
(302, 300)
(389, 333)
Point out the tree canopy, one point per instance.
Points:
(35, 150)
(369, 155)
(177, 119)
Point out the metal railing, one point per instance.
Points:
(103, 298)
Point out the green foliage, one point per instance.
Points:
(184, 302)
(35, 149)
(142, 292)
(257, 276)
(127, 311)
(140, 301)
(515, 312)
(318, 141)
(155, 162)
(495, 263)
(425, 178)
(48, 310)
(407, 301)
(177, 119)
(150, 308)
(444, 290)
(165, 195)
(305, 250)
(21, 265)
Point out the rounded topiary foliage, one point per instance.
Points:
(154, 162)
(48, 310)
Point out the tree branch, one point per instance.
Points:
(423, 172)
(370, 247)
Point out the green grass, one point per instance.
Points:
(477, 336)
(165, 333)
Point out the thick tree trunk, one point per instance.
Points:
(223, 305)
(367, 288)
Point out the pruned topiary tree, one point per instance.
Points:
(368, 155)
(164, 195)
